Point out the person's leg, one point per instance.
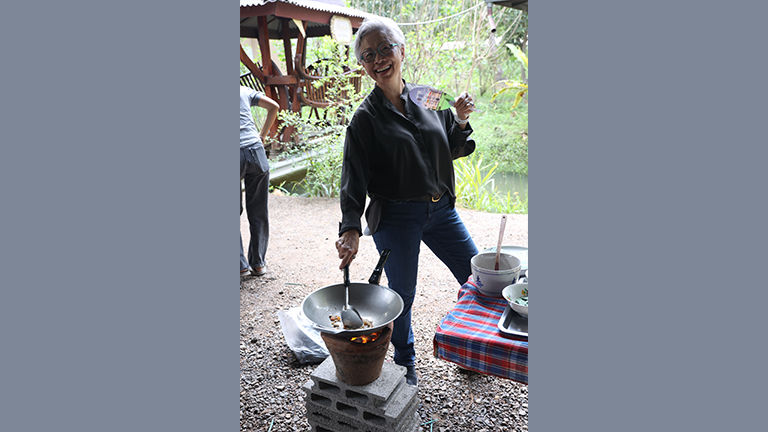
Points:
(244, 268)
(400, 231)
(256, 204)
(448, 238)
(243, 262)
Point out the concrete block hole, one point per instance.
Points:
(348, 409)
(328, 387)
(320, 399)
(373, 418)
(359, 397)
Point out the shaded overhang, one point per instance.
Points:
(281, 13)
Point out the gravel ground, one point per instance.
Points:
(302, 258)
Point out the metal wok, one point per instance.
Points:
(377, 304)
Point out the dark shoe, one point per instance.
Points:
(410, 376)
(245, 274)
(260, 271)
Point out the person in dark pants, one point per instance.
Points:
(254, 169)
(401, 155)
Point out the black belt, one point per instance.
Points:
(427, 198)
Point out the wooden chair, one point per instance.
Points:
(317, 95)
(248, 80)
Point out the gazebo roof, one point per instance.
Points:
(316, 13)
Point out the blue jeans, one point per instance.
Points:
(404, 225)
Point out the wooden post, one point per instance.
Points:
(301, 52)
(288, 133)
(266, 60)
(257, 73)
(285, 24)
(266, 56)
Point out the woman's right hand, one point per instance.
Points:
(347, 245)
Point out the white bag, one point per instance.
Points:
(301, 336)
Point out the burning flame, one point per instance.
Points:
(366, 338)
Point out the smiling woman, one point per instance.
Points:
(380, 48)
(401, 156)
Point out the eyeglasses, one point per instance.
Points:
(384, 49)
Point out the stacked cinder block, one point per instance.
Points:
(385, 405)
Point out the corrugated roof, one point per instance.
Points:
(330, 6)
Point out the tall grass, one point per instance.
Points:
(475, 188)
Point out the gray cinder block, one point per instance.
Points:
(318, 412)
(379, 390)
(400, 401)
(325, 423)
(385, 405)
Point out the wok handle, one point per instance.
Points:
(376, 275)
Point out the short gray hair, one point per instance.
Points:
(378, 24)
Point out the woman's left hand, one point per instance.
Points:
(464, 106)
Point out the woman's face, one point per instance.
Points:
(385, 70)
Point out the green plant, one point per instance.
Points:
(508, 147)
(502, 135)
(321, 153)
(508, 85)
(475, 188)
(324, 170)
(473, 181)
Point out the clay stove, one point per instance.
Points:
(354, 390)
(358, 359)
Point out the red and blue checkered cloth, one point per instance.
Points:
(469, 336)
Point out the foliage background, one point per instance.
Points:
(449, 45)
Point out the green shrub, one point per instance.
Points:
(324, 170)
(510, 151)
(475, 188)
(502, 135)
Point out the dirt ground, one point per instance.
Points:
(301, 258)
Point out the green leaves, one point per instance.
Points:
(519, 54)
(508, 85)
(475, 188)
(512, 85)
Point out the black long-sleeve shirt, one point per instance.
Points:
(391, 156)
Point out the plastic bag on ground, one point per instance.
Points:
(302, 338)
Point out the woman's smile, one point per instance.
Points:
(384, 68)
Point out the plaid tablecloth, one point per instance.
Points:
(469, 336)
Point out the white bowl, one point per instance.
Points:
(491, 282)
(513, 292)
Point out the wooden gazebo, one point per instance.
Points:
(285, 20)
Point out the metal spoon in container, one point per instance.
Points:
(350, 317)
